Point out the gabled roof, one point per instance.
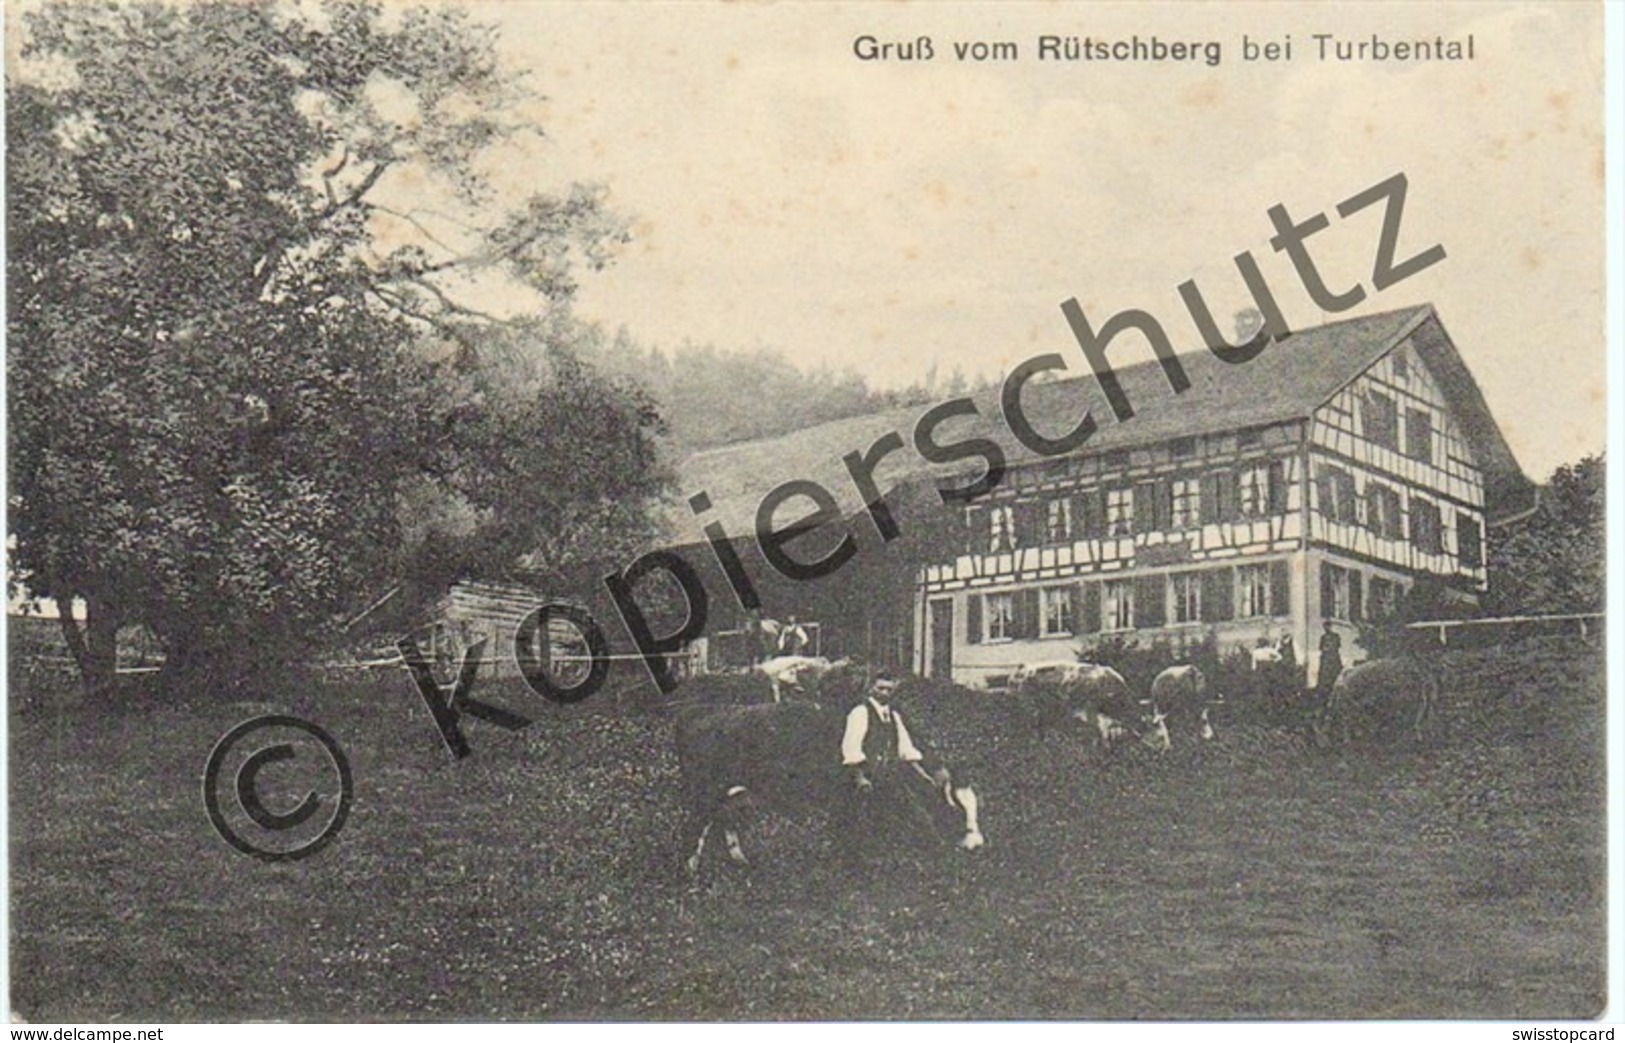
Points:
(1288, 381)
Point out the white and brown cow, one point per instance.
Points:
(1180, 702)
(1089, 693)
(785, 757)
(798, 674)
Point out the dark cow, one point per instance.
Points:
(1377, 700)
(786, 757)
(1090, 693)
(1180, 703)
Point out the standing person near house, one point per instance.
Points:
(793, 639)
(1331, 659)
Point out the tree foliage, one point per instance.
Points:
(1555, 560)
(222, 275)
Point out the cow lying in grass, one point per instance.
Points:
(787, 757)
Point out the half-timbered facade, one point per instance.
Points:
(1316, 482)
(1367, 466)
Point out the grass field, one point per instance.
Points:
(537, 879)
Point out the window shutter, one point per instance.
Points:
(973, 619)
(1396, 523)
(1470, 540)
(976, 530)
(1209, 492)
(1021, 515)
(1230, 496)
(1150, 601)
(1354, 596)
(1218, 595)
(1277, 497)
(1083, 515)
(1325, 590)
(1164, 518)
(1280, 589)
(1345, 497)
(1145, 511)
(1089, 618)
(1026, 611)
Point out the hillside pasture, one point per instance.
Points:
(540, 878)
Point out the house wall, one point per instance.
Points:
(1203, 535)
(1439, 471)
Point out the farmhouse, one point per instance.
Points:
(1317, 482)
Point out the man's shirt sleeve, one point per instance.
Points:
(857, 728)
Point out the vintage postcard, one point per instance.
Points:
(570, 512)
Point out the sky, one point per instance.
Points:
(892, 216)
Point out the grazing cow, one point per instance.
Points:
(787, 757)
(797, 673)
(1377, 700)
(1180, 701)
(1063, 690)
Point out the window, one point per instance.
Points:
(1402, 369)
(1119, 511)
(1427, 529)
(1253, 485)
(1470, 538)
(1419, 435)
(1185, 591)
(1187, 503)
(1058, 520)
(1252, 591)
(1117, 606)
(1384, 598)
(1056, 605)
(1336, 488)
(1382, 511)
(1336, 591)
(1379, 418)
(1250, 438)
(1001, 529)
(999, 616)
(1183, 447)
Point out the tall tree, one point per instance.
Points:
(1555, 560)
(220, 269)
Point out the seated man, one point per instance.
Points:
(886, 769)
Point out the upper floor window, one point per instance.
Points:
(1253, 489)
(1001, 536)
(1056, 606)
(1379, 418)
(1470, 538)
(1119, 511)
(1419, 435)
(1187, 503)
(1058, 520)
(1382, 511)
(1427, 529)
(1336, 488)
(1183, 447)
(1402, 369)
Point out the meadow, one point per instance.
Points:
(539, 879)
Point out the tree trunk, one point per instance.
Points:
(94, 646)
